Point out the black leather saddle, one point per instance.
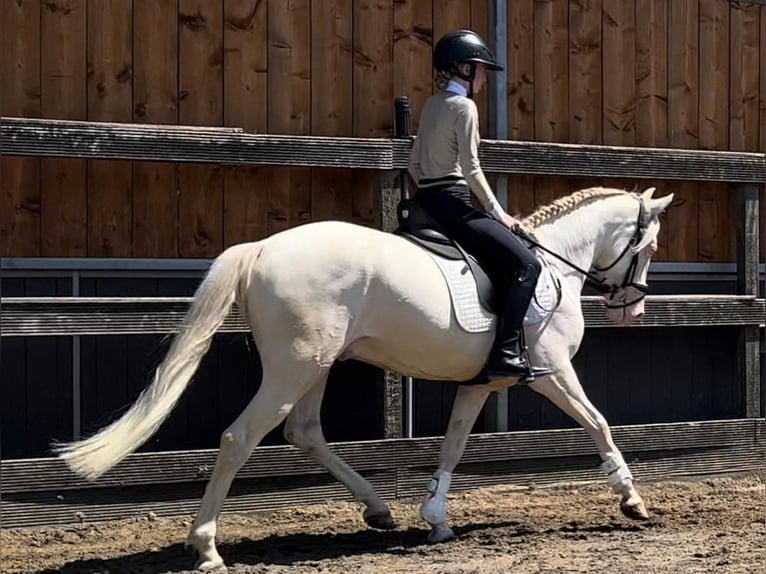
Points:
(416, 225)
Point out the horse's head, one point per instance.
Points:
(622, 259)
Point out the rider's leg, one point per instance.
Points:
(503, 255)
(509, 357)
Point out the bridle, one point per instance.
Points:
(600, 283)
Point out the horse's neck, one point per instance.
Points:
(575, 238)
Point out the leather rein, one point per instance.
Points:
(599, 283)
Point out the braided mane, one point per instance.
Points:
(567, 204)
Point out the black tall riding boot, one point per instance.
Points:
(509, 357)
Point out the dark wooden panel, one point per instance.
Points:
(13, 368)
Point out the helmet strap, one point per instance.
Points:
(468, 78)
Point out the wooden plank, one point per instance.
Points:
(683, 122)
(651, 73)
(762, 98)
(743, 91)
(373, 99)
(289, 107)
(480, 24)
(334, 99)
(521, 97)
(20, 96)
(412, 41)
(245, 209)
(715, 200)
(27, 317)
(23, 136)
(529, 447)
(200, 187)
(619, 20)
(747, 284)
(585, 86)
(155, 92)
(450, 15)
(683, 73)
(521, 70)
(551, 71)
(373, 72)
(110, 99)
(63, 96)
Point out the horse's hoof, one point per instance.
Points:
(440, 533)
(212, 566)
(380, 520)
(635, 510)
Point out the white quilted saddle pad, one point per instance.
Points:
(470, 314)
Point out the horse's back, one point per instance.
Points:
(374, 294)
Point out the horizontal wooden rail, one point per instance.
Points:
(45, 492)
(28, 475)
(232, 146)
(64, 316)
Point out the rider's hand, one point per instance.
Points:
(509, 221)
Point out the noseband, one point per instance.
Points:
(600, 283)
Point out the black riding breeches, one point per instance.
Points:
(509, 263)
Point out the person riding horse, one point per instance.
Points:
(444, 165)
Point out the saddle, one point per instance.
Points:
(417, 226)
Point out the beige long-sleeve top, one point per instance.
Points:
(447, 147)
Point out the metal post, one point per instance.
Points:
(497, 404)
(76, 387)
(402, 116)
(747, 284)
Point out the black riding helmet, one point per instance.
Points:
(463, 47)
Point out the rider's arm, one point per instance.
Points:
(468, 139)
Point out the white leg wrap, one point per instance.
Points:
(617, 473)
(434, 507)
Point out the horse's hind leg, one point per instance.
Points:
(565, 391)
(468, 403)
(304, 429)
(275, 398)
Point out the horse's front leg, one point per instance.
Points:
(466, 408)
(565, 391)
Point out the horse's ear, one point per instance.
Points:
(648, 193)
(657, 206)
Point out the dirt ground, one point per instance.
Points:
(697, 526)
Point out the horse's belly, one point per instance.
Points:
(407, 324)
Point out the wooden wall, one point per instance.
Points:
(683, 73)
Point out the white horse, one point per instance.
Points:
(329, 291)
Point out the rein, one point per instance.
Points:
(600, 283)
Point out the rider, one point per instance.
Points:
(444, 165)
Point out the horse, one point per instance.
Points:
(329, 291)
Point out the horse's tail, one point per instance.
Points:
(212, 302)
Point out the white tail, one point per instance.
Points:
(213, 300)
